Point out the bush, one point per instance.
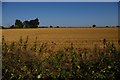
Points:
(51, 26)
(21, 63)
(93, 25)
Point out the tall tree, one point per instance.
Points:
(34, 23)
(18, 24)
(51, 26)
(26, 24)
(94, 26)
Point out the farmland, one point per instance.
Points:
(60, 53)
(63, 36)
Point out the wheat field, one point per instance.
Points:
(60, 53)
(61, 37)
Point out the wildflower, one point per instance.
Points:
(39, 76)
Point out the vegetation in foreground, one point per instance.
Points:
(20, 62)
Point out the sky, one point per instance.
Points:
(73, 14)
(60, 0)
(0, 13)
(119, 13)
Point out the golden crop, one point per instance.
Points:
(82, 37)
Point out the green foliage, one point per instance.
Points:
(18, 24)
(34, 48)
(34, 23)
(23, 44)
(51, 26)
(93, 25)
(26, 24)
(20, 63)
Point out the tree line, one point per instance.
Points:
(29, 24)
(26, 24)
(34, 24)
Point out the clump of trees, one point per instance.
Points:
(94, 26)
(51, 26)
(107, 26)
(54, 27)
(118, 26)
(26, 24)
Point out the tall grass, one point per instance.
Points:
(20, 62)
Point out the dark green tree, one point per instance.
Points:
(34, 23)
(12, 26)
(51, 26)
(93, 25)
(58, 27)
(107, 26)
(118, 26)
(18, 24)
(2, 27)
(26, 24)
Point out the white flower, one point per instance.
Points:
(39, 76)
(109, 67)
